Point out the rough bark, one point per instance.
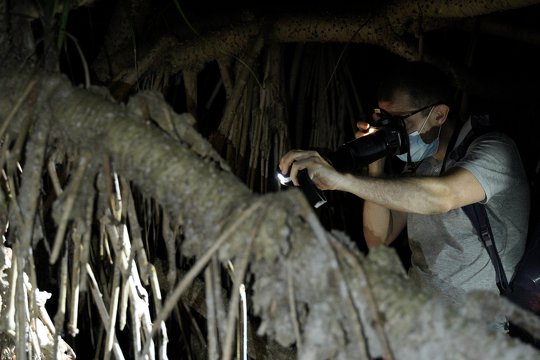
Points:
(390, 28)
(309, 287)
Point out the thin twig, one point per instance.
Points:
(102, 310)
(51, 167)
(218, 296)
(233, 303)
(113, 311)
(75, 281)
(61, 312)
(292, 306)
(170, 304)
(69, 202)
(156, 291)
(211, 314)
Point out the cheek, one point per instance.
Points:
(431, 135)
(410, 126)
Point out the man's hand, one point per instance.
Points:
(363, 129)
(376, 168)
(324, 176)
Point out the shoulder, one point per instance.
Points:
(494, 145)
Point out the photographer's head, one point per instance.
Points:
(421, 95)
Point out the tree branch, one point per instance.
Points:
(289, 247)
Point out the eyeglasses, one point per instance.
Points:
(385, 114)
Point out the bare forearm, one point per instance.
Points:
(422, 195)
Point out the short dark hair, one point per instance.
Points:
(424, 83)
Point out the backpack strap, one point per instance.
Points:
(477, 212)
(478, 215)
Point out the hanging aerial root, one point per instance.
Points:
(175, 295)
(68, 206)
(238, 276)
(102, 310)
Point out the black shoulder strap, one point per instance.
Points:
(478, 215)
(477, 212)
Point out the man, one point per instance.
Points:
(447, 255)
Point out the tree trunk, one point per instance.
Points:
(309, 287)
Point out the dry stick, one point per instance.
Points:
(233, 303)
(124, 297)
(113, 311)
(213, 95)
(61, 312)
(173, 299)
(75, 281)
(10, 311)
(321, 236)
(255, 141)
(21, 318)
(241, 132)
(220, 306)
(32, 338)
(225, 76)
(102, 310)
(211, 314)
(370, 298)
(85, 252)
(156, 291)
(136, 238)
(51, 167)
(135, 288)
(70, 201)
(35, 309)
(292, 306)
(243, 320)
(117, 205)
(170, 244)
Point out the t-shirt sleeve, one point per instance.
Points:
(495, 162)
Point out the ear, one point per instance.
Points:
(440, 113)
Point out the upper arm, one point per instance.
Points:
(382, 225)
(462, 188)
(491, 166)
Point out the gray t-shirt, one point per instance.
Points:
(447, 255)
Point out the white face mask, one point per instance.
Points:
(418, 149)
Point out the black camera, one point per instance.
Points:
(387, 136)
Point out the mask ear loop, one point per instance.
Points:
(411, 167)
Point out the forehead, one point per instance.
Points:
(400, 102)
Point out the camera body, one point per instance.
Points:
(387, 136)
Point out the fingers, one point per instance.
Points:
(293, 156)
(362, 125)
(296, 160)
(363, 128)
